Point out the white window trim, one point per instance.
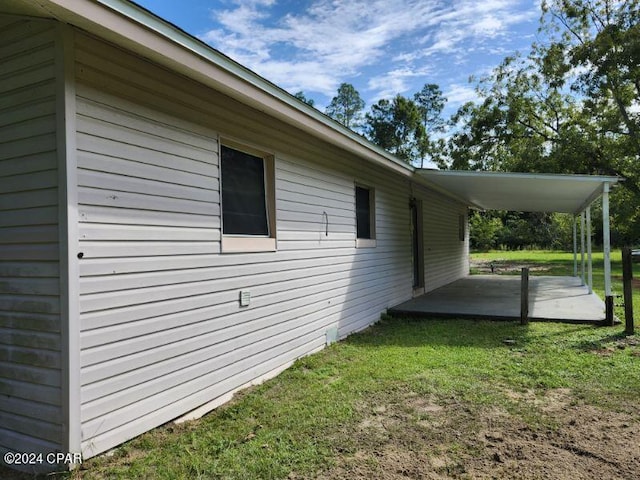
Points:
(250, 243)
(238, 244)
(366, 243)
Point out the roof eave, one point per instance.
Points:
(421, 180)
(597, 193)
(599, 183)
(134, 28)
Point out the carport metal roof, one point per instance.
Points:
(532, 192)
(520, 192)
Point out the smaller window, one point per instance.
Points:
(462, 223)
(365, 217)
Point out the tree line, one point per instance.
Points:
(407, 127)
(569, 105)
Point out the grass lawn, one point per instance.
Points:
(419, 399)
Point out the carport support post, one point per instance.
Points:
(589, 257)
(582, 260)
(575, 247)
(606, 246)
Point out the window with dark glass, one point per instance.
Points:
(244, 201)
(363, 212)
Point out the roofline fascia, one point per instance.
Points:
(196, 58)
(420, 180)
(601, 181)
(594, 196)
(522, 175)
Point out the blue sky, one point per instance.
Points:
(382, 47)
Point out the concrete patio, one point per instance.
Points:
(498, 297)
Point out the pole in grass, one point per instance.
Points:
(524, 296)
(627, 277)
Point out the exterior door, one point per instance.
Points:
(417, 258)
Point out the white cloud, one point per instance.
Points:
(335, 37)
(459, 94)
(470, 23)
(307, 76)
(333, 41)
(396, 81)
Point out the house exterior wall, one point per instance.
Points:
(162, 329)
(31, 360)
(446, 257)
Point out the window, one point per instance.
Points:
(247, 201)
(462, 222)
(365, 217)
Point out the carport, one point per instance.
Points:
(523, 192)
(497, 297)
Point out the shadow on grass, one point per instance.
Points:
(596, 345)
(417, 332)
(412, 332)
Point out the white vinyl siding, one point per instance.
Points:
(30, 344)
(446, 258)
(162, 329)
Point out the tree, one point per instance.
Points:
(570, 106)
(396, 126)
(301, 96)
(600, 40)
(524, 124)
(595, 52)
(484, 229)
(346, 107)
(477, 142)
(430, 102)
(519, 230)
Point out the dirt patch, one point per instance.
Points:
(609, 347)
(587, 443)
(532, 435)
(505, 267)
(421, 438)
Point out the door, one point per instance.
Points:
(417, 258)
